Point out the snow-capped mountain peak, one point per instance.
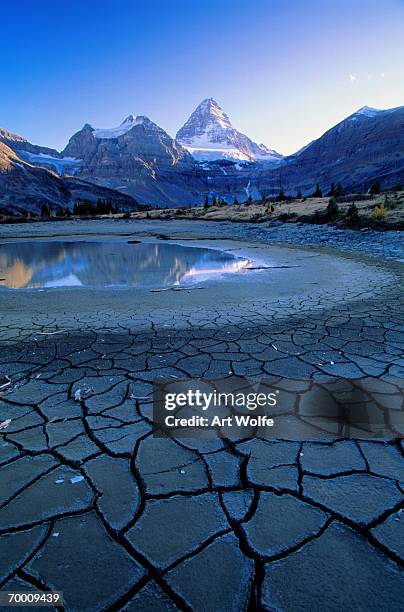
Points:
(127, 124)
(368, 111)
(209, 111)
(129, 119)
(208, 135)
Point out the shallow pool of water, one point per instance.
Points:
(41, 264)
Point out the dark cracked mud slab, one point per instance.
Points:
(92, 504)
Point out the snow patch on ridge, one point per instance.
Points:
(368, 111)
(126, 125)
(63, 165)
(212, 152)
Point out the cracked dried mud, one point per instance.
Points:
(93, 505)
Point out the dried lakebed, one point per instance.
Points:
(196, 524)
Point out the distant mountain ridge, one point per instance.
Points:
(209, 135)
(24, 186)
(367, 145)
(19, 143)
(139, 159)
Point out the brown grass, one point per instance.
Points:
(309, 210)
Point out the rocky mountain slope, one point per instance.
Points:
(24, 186)
(19, 143)
(138, 158)
(367, 145)
(209, 135)
(35, 154)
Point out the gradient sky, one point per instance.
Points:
(284, 71)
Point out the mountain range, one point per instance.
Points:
(138, 162)
(27, 187)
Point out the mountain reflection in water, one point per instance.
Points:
(38, 264)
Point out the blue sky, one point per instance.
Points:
(284, 71)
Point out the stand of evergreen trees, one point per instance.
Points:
(81, 208)
(335, 190)
(102, 207)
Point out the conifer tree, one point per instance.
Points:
(45, 211)
(332, 209)
(281, 196)
(318, 193)
(375, 188)
(352, 215)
